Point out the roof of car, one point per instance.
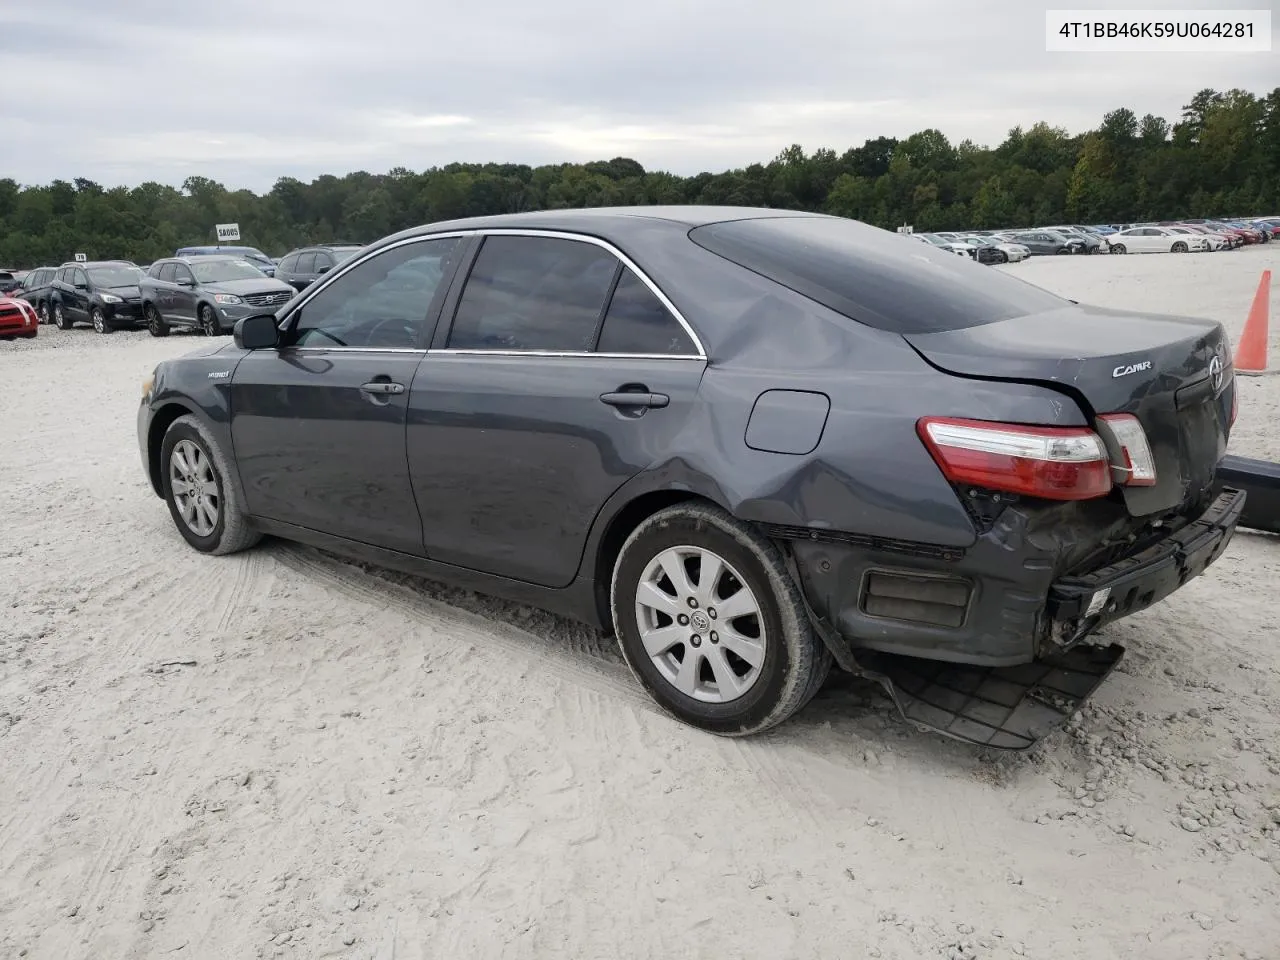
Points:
(97, 263)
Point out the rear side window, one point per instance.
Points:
(873, 276)
(534, 293)
(638, 322)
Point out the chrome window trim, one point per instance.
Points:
(575, 354)
(333, 275)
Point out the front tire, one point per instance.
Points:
(745, 658)
(1179, 247)
(99, 320)
(195, 479)
(208, 322)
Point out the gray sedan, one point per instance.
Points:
(749, 443)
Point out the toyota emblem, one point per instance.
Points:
(1215, 372)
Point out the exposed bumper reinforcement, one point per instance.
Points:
(1008, 708)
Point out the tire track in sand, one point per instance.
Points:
(597, 674)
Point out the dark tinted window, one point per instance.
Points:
(165, 273)
(638, 322)
(533, 293)
(289, 264)
(306, 263)
(323, 260)
(383, 302)
(873, 276)
(64, 274)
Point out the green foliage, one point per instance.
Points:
(1221, 157)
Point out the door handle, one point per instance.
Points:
(382, 387)
(627, 398)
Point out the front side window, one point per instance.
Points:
(166, 272)
(638, 322)
(306, 263)
(382, 302)
(534, 293)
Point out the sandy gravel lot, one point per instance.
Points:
(279, 754)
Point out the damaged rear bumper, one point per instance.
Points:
(1081, 604)
(1013, 705)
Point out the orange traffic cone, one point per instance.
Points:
(1251, 351)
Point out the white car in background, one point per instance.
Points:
(1014, 251)
(1216, 240)
(960, 249)
(1157, 240)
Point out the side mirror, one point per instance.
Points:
(186, 282)
(323, 269)
(82, 286)
(258, 332)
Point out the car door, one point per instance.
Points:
(318, 423)
(183, 295)
(79, 306)
(561, 374)
(1150, 240)
(305, 271)
(162, 290)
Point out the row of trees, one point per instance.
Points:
(1222, 157)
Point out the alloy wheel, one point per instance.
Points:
(194, 488)
(700, 624)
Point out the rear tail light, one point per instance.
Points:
(1053, 463)
(1136, 467)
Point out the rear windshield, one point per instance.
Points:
(873, 276)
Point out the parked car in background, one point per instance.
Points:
(252, 254)
(9, 281)
(1157, 240)
(17, 319)
(1046, 242)
(985, 250)
(207, 293)
(303, 267)
(102, 292)
(36, 288)
(1216, 241)
(515, 404)
(1225, 240)
(1092, 243)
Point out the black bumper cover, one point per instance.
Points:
(1146, 577)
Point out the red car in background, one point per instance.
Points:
(17, 319)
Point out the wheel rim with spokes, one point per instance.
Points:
(195, 490)
(98, 321)
(701, 625)
(207, 322)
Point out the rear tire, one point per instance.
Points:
(42, 311)
(197, 485)
(1118, 248)
(750, 671)
(155, 323)
(60, 318)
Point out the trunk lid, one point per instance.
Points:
(1173, 373)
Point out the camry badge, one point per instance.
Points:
(1124, 371)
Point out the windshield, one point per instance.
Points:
(114, 276)
(219, 271)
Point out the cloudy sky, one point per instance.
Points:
(246, 91)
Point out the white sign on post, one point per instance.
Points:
(906, 228)
(81, 258)
(228, 231)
